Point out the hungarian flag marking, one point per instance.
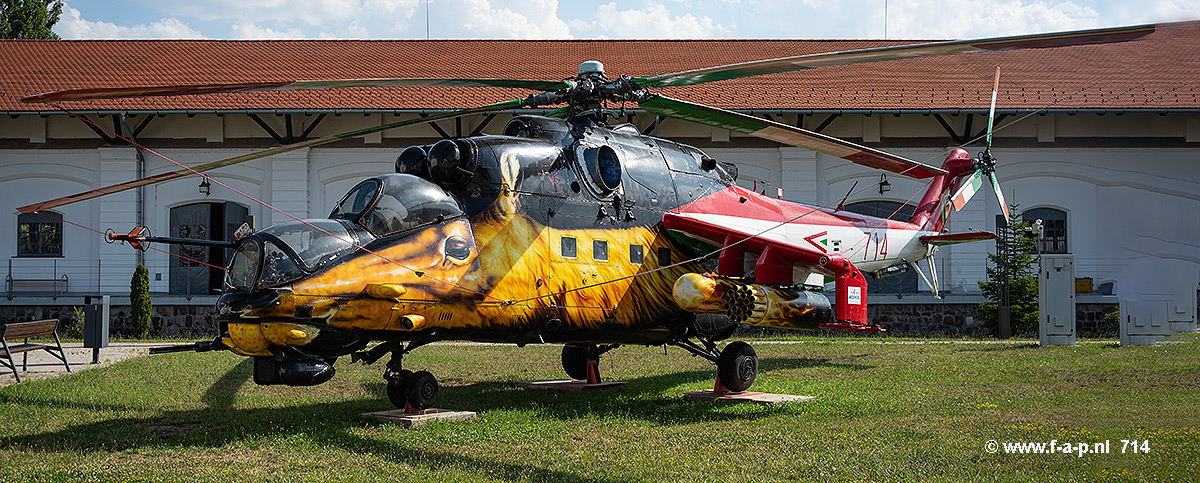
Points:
(967, 191)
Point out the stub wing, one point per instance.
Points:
(773, 272)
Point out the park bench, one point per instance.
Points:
(26, 330)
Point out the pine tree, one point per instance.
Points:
(1014, 260)
(139, 299)
(29, 19)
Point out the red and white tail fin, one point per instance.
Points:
(932, 212)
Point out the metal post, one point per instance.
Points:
(1003, 312)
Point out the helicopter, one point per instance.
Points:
(568, 228)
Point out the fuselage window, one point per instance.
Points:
(664, 256)
(568, 247)
(600, 250)
(636, 254)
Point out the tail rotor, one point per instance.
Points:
(985, 165)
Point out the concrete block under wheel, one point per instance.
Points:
(419, 418)
(745, 396)
(568, 385)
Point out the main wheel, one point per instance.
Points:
(421, 390)
(737, 366)
(575, 359)
(395, 388)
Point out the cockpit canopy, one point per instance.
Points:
(393, 203)
(383, 206)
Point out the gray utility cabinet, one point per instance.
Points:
(1056, 300)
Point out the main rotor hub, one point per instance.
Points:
(591, 68)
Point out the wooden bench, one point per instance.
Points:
(25, 330)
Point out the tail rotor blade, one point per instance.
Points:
(968, 189)
(999, 196)
(992, 111)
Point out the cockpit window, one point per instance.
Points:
(407, 202)
(357, 200)
(315, 245)
(278, 267)
(242, 268)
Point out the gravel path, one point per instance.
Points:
(42, 365)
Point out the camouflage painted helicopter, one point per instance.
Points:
(567, 229)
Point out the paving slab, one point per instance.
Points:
(419, 418)
(568, 385)
(740, 397)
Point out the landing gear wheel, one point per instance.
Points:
(421, 390)
(574, 360)
(737, 366)
(395, 388)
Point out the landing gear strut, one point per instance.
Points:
(582, 362)
(412, 391)
(737, 364)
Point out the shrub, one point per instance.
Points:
(139, 299)
(1013, 260)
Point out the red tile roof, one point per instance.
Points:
(1158, 72)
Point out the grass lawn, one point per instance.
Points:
(885, 410)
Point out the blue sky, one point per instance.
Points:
(632, 19)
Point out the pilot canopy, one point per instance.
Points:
(394, 203)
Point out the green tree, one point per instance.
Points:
(139, 299)
(1013, 261)
(29, 19)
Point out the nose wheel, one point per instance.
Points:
(737, 366)
(412, 390)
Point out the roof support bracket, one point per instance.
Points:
(949, 130)
(999, 119)
(829, 120)
(479, 129)
(100, 132)
(263, 124)
(440, 131)
(308, 130)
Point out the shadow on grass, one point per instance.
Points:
(655, 399)
(219, 425)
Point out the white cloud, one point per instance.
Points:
(530, 19)
(959, 19)
(652, 21)
(72, 26)
(250, 31)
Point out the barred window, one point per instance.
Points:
(1054, 228)
(39, 235)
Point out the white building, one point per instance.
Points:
(1102, 142)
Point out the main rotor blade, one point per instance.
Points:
(813, 61)
(87, 195)
(181, 90)
(792, 136)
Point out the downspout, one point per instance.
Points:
(139, 206)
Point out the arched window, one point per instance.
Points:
(39, 235)
(1054, 228)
